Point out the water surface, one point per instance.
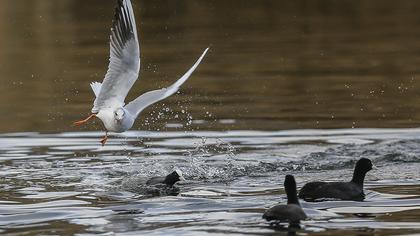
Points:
(67, 183)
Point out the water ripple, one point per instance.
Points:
(231, 178)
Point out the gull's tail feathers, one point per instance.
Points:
(96, 87)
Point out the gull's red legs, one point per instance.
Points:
(80, 122)
(103, 141)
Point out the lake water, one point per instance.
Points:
(66, 183)
(288, 87)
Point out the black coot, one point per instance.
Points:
(169, 180)
(155, 186)
(292, 212)
(352, 190)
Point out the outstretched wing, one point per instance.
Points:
(147, 99)
(124, 61)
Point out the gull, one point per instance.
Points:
(123, 71)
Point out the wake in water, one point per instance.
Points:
(231, 179)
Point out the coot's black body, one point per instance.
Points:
(169, 180)
(155, 186)
(292, 212)
(352, 190)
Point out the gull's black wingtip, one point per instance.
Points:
(120, 4)
(123, 25)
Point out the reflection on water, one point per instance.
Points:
(69, 183)
(273, 64)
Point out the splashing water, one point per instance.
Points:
(68, 181)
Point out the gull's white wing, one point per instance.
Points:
(124, 61)
(147, 99)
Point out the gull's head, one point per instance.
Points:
(119, 114)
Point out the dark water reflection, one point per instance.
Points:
(273, 64)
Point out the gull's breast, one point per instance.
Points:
(107, 118)
(111, 124)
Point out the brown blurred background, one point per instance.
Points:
(273, 64)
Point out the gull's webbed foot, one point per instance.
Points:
(80, 122)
